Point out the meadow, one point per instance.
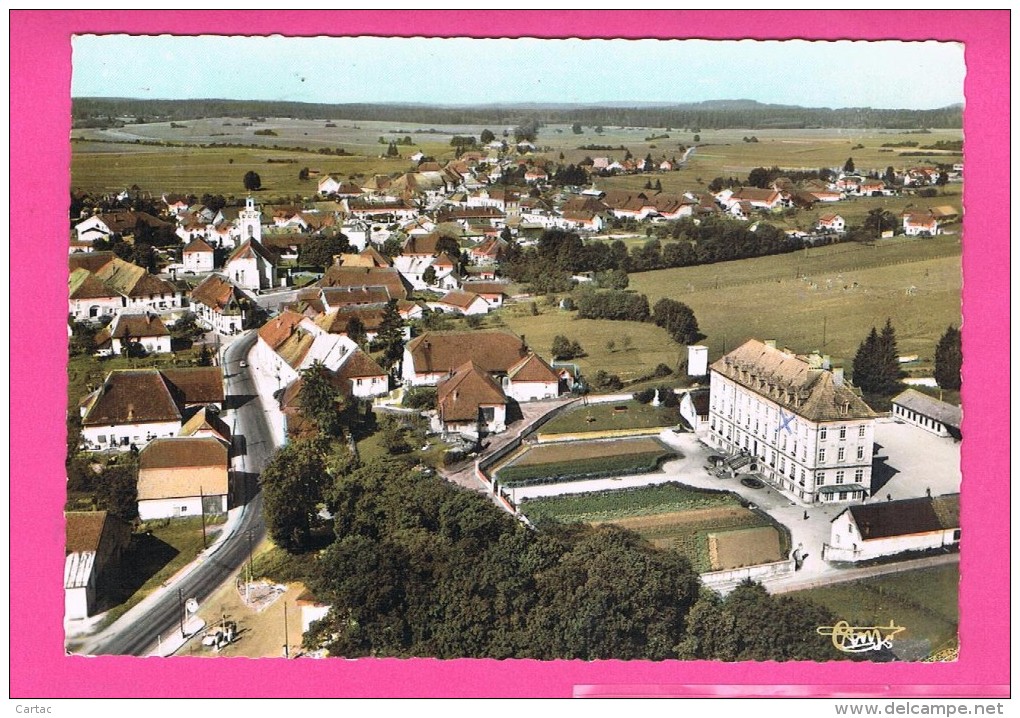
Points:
(191, 166)
(924, 601)
(826, 298)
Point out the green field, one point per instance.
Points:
(815, 311)
(609, 417)
(574, 461)
(925, 602)
(649, 344)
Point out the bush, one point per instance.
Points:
(661, 370)
(668, 397)
(420, 397)
(604, 381)
(644, 396)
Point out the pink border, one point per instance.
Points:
(40, 156)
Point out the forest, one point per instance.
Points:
(88, 111)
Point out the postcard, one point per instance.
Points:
(640, 364)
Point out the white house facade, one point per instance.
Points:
(795, 421)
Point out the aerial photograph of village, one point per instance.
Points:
(514, 348)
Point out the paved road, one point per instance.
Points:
(159, 615)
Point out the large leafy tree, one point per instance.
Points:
(318, 252)
(751, 625)
(252, 181)
(320, 399)
(949, 359)
(293, 485)
(678, 319)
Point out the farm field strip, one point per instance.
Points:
(644, 501)
(520, 476)
(553, 453)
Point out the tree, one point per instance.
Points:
(890, 175)
(848, 167)
(319, 251)
(392, 150)
(320, 399)
(429, 275)
(577, 129)
(303, 174)
(117, 490)
(949, 359)
(879, 220)
(390, 338)
(356, 331)
(759, 177)
(449, 245)
(697, 138)
(293, 486)
(943, 178)
(563, 348)
(487, 137)
(677, 319)
(252, 181)
(876, 364)
(83, 339)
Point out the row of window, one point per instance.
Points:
(822, 453)
(823, 432)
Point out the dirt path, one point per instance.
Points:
(260, 633)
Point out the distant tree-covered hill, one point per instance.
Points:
(717, 114)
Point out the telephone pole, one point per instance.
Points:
(286, 639)
(201, 498)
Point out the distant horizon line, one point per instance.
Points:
(525, 104)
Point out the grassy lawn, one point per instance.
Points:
(606, 417)
(925, 602)
(814, 311)
(579, 460)
(158, 550)
(649, 344)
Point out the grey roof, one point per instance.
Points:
(929, 406)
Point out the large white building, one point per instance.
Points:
(798, 422)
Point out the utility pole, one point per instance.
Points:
(180, 605)
(201, 498)
(824, 328)
(286, 638)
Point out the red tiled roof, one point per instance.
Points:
(460, 396)
(493, 350)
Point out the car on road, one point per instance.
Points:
(752, 483)
(243, 364)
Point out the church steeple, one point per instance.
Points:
(250, 221)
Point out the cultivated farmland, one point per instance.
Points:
(571, 461)
(675, 517)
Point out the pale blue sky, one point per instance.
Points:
(913, 75)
